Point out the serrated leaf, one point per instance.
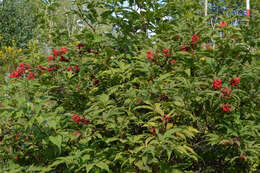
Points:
(103, 166)
(56, 140)
(188, 72)
(157, 109)
(89, 167)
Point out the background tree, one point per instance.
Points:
(18, 22)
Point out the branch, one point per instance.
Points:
(84, 19)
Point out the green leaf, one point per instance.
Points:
(89, 167)
(169, 153)
(97, 39)
(56, 140)
(178, 103)
(157, 109)
(102, 165)
(143, 107)
(188, 72)
(141, 165)
(164, 76)
(85, 158)
(176, 171)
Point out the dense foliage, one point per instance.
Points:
(18, 21)
(143, 87)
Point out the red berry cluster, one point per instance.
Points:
(41, 68)
(184, 47)
(172, 62)
(60, 52)
(26, 69)
(223, 24)
(194, 39)
(77, 119)
(140, 101)
(57, 53)
(22, 70)
(95, 81)
(163, 97)
(235, 81)
(74, 68)
(166, 118)
(226, 108)
(80, 45)
(166, 52)
(150, 56)
(235, 141)
(76, 133)
(216, 84)
(226, 91)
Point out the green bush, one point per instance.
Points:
(184, 100)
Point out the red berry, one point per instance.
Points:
(223, 24)
(208, 47)
(226, 143)
(148, 56)
(226, 108)
(76, 133)
(148, 52)
(175, 134)
(16, 136)
(165, 50)
(242, 156)
(173, 62)
(216, 84)
(235, 81)
(95, 81)
(177, 36)
(153, 131)
(235, 140)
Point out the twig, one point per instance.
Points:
(84, 19)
